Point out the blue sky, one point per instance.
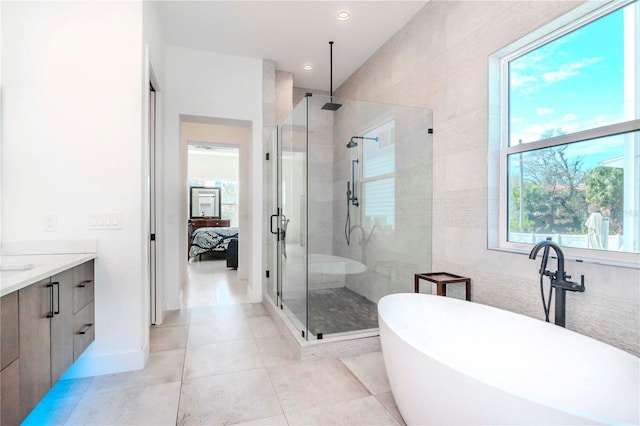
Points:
(573, 83)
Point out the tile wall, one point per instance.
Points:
(391, 254)
(439, 60)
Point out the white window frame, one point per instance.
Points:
(499, 148)
(390, 123)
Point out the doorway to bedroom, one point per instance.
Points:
(213, 182)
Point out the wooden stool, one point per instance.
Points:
(441, 279)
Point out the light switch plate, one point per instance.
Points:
(105, 221)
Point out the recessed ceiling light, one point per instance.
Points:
(343, 15)
(307, 67)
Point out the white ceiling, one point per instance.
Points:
(291, 33)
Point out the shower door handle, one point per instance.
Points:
(271, 224)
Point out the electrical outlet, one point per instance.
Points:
(50, 222)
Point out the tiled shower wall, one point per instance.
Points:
(391, 254)
(440, 61)
(320, 176)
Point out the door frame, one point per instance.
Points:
(154, 241)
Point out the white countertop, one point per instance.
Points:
(17, 272)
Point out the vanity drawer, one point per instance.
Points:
(84, 330)
(10, 390)
(83, 287)
(9, 330)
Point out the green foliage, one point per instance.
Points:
(605, 191)
(552, 193)
(229, 191)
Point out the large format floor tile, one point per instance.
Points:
(362, 411)
(150, 405)
(177, 317)
(254, 310)
(276, 351)
(369, 369)
(314, 384)
(56, 407)
(270, 421)
(164, 338)
(221, 358)
(228, 399)
(230, 295)
(387, 401)
(215, 313)
(203, 333)
(263, 327)
(162, 367)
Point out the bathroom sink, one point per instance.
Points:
(12, 270)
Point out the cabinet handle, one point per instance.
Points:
(84, 283)
(85, 328)
(50, 313)
(57, 310)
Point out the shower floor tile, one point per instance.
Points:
(335, 310)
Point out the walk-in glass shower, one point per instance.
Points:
(349, 194)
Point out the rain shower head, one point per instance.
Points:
(352, 143)
(331, 106)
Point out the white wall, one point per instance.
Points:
(207, 84)
(154, 45)
(1, 61)
(72, 104)
(213, 166)
(153, 37)
(440, 61)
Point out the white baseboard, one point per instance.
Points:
(255, 296)
(92, 364)
(173, 304)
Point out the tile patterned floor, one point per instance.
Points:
(223, 362)
(335, 310)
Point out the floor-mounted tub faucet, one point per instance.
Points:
(559, 280)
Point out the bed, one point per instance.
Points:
(210, 236)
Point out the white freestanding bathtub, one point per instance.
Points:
(455, 362)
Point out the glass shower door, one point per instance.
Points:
(293, 199)
(273, 207)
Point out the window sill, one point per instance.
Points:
(571, 256)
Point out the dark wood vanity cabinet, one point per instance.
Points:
(35, 343)
(84, 286)
(62, 323)
(84, 330)
(9, 353)
(50, 328)
(10, 348)
(10, 390)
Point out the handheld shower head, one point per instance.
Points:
(352, 143)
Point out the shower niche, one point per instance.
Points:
(349, 194)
